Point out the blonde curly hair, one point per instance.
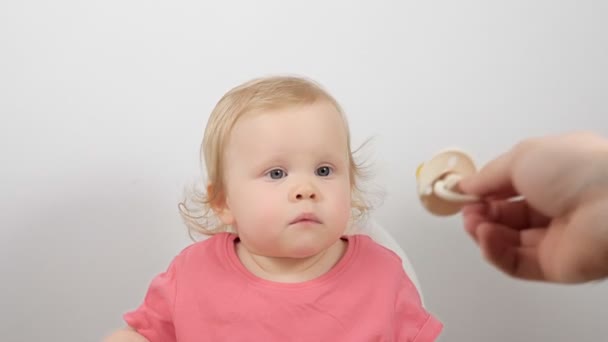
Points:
(260, 94)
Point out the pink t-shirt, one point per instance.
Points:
(206, 294)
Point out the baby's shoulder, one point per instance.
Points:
(204, 251)
(378, 262)
(376, 253)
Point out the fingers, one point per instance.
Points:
(493, 180)
(506, 236)
(473, 215)
(511, 251)
(516, 215)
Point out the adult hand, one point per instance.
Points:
(559, 231)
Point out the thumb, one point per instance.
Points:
(494, 179)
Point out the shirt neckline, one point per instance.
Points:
(346, 260)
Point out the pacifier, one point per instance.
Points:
(438, 179)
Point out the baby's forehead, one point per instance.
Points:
(286, 132)
(316, 119)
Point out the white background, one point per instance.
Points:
(103, 106)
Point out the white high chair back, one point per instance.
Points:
(384, 238)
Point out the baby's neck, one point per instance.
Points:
(291, 270)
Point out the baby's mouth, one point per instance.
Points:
(306, 218)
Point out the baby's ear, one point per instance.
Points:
(219, 205)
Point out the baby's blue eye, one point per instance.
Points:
(323, 171)
(276, 174)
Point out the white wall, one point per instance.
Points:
(102, 107)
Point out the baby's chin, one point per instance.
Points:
(306, 248)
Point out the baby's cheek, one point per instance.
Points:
(266, 210)
(342, 204)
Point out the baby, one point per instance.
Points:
(279, 265)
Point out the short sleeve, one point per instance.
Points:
(154, 317)
(414, 323)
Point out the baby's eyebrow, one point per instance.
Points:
(284, 158)
(263, 162)
(334, 157)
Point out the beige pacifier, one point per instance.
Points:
(438, 180)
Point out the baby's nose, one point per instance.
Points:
(304, 192)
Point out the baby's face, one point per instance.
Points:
(288, 191)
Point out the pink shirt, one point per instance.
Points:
(206, 294)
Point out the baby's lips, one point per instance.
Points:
(438, 178)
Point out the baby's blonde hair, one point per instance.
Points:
(260, 94)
